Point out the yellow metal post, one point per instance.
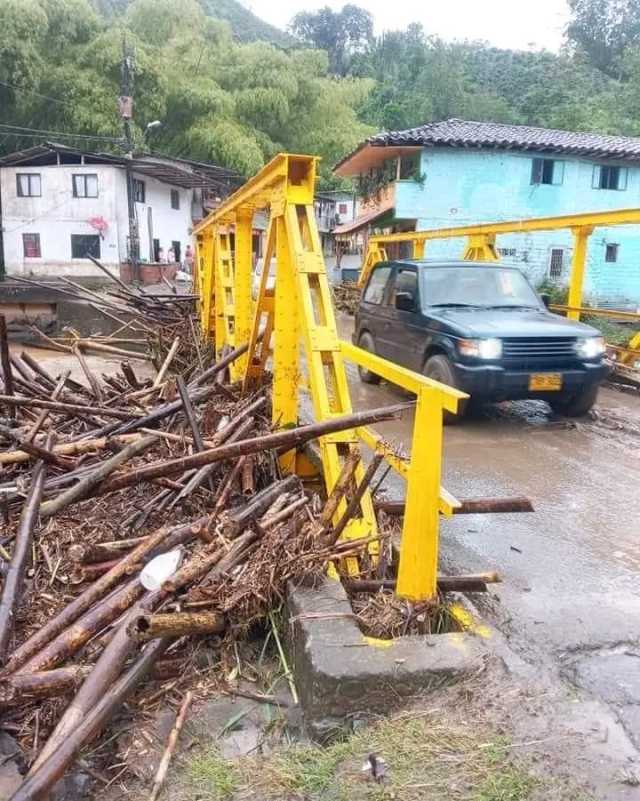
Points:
(418, 248)
(578, 263)
(418, 568)
(481, 247)
(243, 267)
(286, 360)
(263, 318)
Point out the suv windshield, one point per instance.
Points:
(481, 286)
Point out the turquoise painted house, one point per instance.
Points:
(460, 172)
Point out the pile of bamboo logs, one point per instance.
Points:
(98, 477)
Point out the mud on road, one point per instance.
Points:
(568, 611)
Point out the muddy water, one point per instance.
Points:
(55, 362)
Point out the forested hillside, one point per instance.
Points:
(232, 89)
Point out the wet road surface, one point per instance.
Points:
(570, 595)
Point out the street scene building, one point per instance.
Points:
(58, 204)
(459, 172)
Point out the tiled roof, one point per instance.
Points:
(466, 133)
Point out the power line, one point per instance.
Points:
(37, 94)
(35, 133)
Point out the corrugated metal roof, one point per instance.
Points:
(468, 133)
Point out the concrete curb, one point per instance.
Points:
(340, 673)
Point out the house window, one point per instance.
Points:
(611, 253)
(29, 184)
(608, 177)
(508, 252)
(85, 185)
(138, 191)
(408, 168)
(175, 199)
(31, 246)
(342, 208)
(83, 244)
(547, 171)
(556, 263)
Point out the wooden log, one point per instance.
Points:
(73, 448)
(337, 493)
(156, 542)
(354, 502)
(93, 571)
(99, 682)
(57, 390)
(7, 375)
(219, 366)
(85, 486)
(468, 506)
(90, 344)
(37, 451)
(14, 580)
(42, 779)
(247, 481)
(205, 472)
(129, 374)
(72, 639)
(101, 551)
(238, 520)
(283, 514)
(227, 486)
(471, 583)
(282, 441)
(163, 767)
(37, 368)
(176, 624)
(93, 381)
(67, 408)
(23, 687)
(167, 362)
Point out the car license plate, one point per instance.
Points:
(545, 382)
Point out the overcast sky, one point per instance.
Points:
(518, 24)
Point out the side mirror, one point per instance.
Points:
(405, 302)
(545, 298)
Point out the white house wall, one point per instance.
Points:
(168, 224)
(56, 215)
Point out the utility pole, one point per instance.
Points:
(125, 107)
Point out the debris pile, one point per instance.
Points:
(141, 515)
(346, 296)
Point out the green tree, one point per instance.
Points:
(341, 33)
(603, 29)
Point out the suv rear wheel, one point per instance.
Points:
(575, 405)
(439, 369)
(366, 343)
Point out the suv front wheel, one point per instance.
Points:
(575, 405)
(366, 343)
(439, 369)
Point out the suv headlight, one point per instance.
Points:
(481, 348)
(590, 347)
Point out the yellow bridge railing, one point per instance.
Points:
(294, 311)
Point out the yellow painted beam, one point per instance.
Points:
(589, 219)
(401, 376)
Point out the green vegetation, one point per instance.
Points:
(427, 759)
(231, 89)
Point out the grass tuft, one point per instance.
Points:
(211, 776)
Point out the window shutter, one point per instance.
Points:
(595, 183)
(558, 172)
(537, 166)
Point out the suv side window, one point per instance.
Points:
(406, 281)
(374, 293)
